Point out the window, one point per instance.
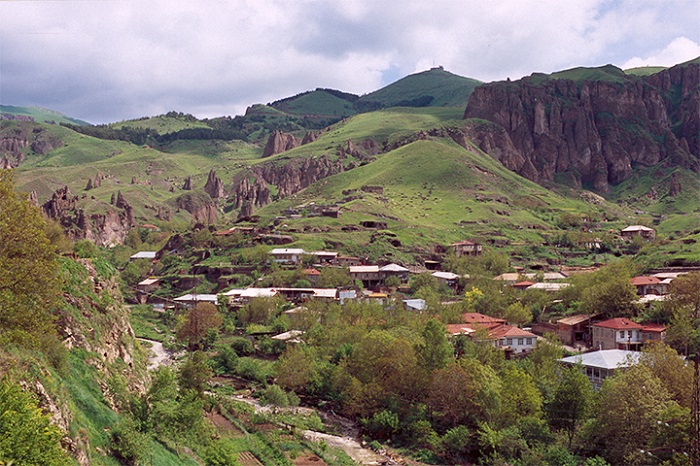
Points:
(509, 341)
(529, 341)
(622, 334)
(520, 341)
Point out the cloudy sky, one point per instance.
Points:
(110, 60)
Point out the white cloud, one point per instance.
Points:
(110, 60)
(679, 50)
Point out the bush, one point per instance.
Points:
(85, 249)
(382, 425)
(129, 444)
(274, 395)
(221, 453)
(242, 346)
(456, 442)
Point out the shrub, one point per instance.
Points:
(242, 346)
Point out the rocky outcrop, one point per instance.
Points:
(594, 131)
(214, 186)
(11, 154)
(95, 182)
(199, 205)
(251, 188)
(675, 187)
(279, 142)
(104, 229)
(188, 185)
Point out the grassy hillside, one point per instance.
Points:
(318, 102)
(163, 124)
(435, 87)
(42, 115)
(645, 70)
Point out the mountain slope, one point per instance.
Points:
(591, 126)
(435, 87)
(39, 114)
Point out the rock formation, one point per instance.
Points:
(95, 182)
(675, 187)
(214, 186)
(279, 142)
(251, 187)
(199, 205)
(104, 229)
(594, 130)
(188, 185)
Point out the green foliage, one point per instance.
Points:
(572, 401)
(242, 346)
(129, 444)
(221, 453)
(607, 291)
(197, 324)
(383, 424)
(86, 249)
(28, 280)
(456, 443)
(27, 436)
(195, 373)
(275, 395)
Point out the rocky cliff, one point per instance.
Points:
(593, 130)
(104, 229)
(250, 188)
(199, 205)
(279, 142)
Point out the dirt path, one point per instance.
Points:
(158, 355)
(348, 444)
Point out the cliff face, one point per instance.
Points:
(251, 187)
(592, 130)
(104, 229)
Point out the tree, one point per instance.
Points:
(571, 403)
(606, 291)
(195, 373)
(27, 436)
(197, 323)
(28, 272)
(631, 409)
(685, 326)
(436, 351)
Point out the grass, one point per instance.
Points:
(41, 114)
(162, 124)
(447, 90)
(318, 102)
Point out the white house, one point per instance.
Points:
(287, 255)
(602, 364)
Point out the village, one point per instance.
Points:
(600, 343)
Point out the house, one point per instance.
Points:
(599, 365)
(637, 230)
(647, 285)
(145, 288)
(368, 274)
(243, 296)
(549, 287)
(523, 285)
(291, 336)
(617, 333)
(466, 248)
(575, 329)
(347, 261)
(653, 332)
(150, 255)
(287, 255)
(414, 304)
(394, 270)
(323, 257)
(312, 275)
(475, 320)
(190, 300)
(448, 278)
(512, 339)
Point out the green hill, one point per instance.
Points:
(163, 124)
(326, 102)
(39, 114)
(435, 87)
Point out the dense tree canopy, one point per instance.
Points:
(28, 280)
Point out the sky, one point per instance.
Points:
(111, 60)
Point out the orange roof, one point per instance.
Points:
(638, 281)
(477, 318)
(459, 329)
(618, 323)
(509, 331)
(311, 272)
(653, 328)
(523, 284)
